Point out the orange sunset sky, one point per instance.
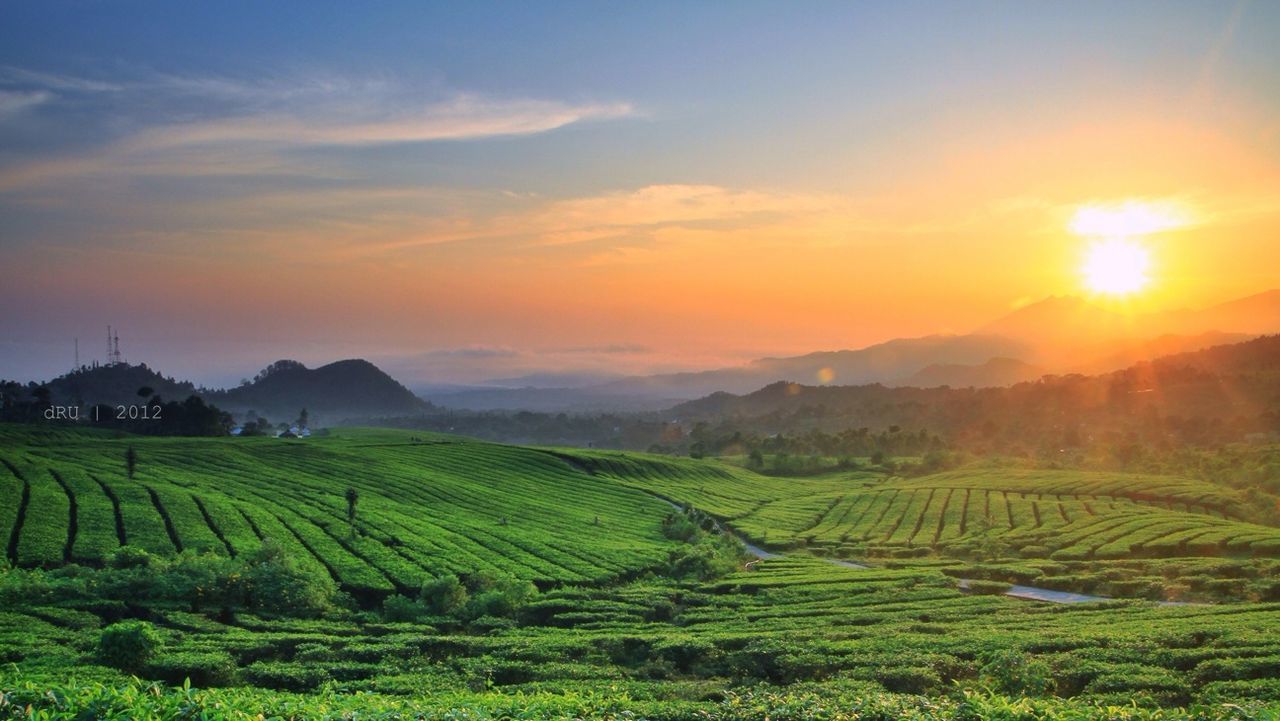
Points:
(613, 190)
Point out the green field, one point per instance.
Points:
(1064, 515)
(611, 631)
(438, 504)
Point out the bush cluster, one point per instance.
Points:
(481, 600)
(265, 581)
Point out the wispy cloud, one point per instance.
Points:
(13, 102)
(193, 126)
(10, 75)
(464, 117)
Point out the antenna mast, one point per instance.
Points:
(113, 347)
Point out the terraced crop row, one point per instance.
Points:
(424, 508)
(941, 517)
(1177, 494)
(793, 619)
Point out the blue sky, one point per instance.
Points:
(285, 150)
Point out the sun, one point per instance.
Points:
(1117, 260)
(1116, 266)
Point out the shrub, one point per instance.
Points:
(679, 527)
(908, 679)
(277, 584)
(501, 597)
(401, 609)
(1013, 672)
(687, 653)
(129, 645)
(203, 668)
(285, 676)
(711, 557)
(313, 652)
(1223, 692)
(129, 557)
(1230, 669)
(202, 580)
(988, 588)
(491, 624)
(1267, 590)
(1132, 680)
(443, 595)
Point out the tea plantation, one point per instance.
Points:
(470, 580)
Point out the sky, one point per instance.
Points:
(461, 191)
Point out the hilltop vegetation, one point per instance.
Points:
(333, 393)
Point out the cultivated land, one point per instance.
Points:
(613, 627)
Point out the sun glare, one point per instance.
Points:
(1117, 261)
(1116, 266)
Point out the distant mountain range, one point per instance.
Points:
(994, 372)
(1205, 391)
(1056, 335)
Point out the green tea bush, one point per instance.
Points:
(278, 584)
(1013, 672)
(285, 676)
(129, 557)
(988, 588)
(500, 597)
(680, 527)
(707, 558)
(444, 595)
(398, 608)
(313, 652)
(129, 645)
(203, 668)
(908, 679)
(1230, 669)
(1232, 692)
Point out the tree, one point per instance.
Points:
(353, 497)
(130, 461)
(146, 392)
(303, 417)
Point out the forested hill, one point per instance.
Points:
(115, 384)
(1226, 391)
(349, 389)
(344, 389)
